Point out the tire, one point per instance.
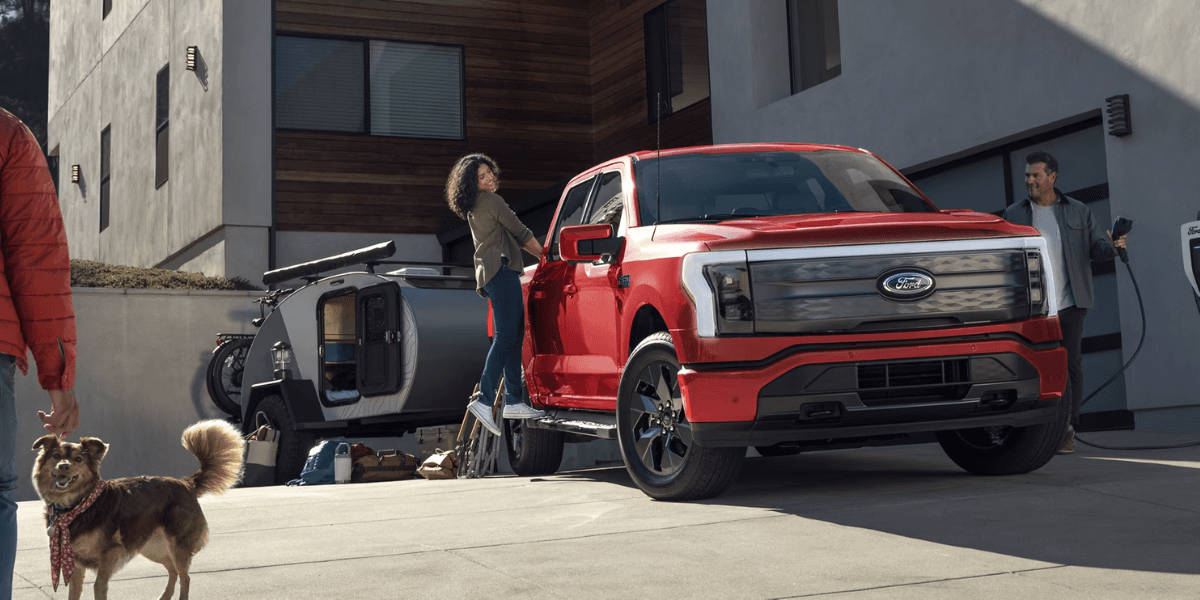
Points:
(225, 375)
(532, 451)
(293, 445)
(1006, 450)
(654, 433)
(777, 450)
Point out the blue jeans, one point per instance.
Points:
(8, 475)
(508, 318)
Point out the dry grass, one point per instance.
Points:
(86, 273)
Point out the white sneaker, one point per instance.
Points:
(522, 411)
(483, 412)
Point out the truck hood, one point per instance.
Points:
(841, 229)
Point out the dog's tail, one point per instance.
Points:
(219, 447)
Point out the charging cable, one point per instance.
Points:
(1141, 340)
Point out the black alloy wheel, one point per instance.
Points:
(655, 434)
(662, 436)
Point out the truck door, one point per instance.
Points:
(377, 338)
(547, 305)
(591, 332)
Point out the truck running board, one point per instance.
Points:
(592, 424)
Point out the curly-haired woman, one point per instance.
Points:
(499, 237)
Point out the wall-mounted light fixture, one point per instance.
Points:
(74, 173)
(192, 51)
(1120, 122)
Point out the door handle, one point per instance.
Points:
(571, 289)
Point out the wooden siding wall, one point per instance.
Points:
(551, 87)
(619, 80)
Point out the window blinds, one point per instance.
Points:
(416, 90)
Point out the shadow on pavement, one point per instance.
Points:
(1108, 510)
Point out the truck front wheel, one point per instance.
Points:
(1005, 450)
(655, 435)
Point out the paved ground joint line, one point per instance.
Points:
(916, 583)
(1139, 500)
(35, 585)
(457, 554)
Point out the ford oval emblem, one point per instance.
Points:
(906, 285)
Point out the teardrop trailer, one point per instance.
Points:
(369, 354)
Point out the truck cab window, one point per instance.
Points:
(571, 212)
(608, 203)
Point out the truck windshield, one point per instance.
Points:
(718, 187)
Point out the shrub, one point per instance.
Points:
(86, 273)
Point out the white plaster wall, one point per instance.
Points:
(142, 356)
(104, 72)
(140, 380)
(127, 80)
(923, 80)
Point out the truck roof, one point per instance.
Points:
(737, 148)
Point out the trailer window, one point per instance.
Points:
(340, 364)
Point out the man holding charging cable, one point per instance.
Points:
(1073, 240)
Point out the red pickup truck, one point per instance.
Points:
(789, 297)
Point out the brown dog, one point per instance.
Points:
(109, 522)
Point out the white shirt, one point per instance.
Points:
(1047, 225)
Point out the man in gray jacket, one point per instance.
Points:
(1073, 239)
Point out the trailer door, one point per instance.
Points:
(378, 339)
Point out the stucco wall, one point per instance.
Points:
(140, 381)
(139, 374)
(103, 72)
(925, 80)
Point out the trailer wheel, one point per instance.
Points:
(532, 450)
(655, 435)
(225, 375)
(293, 445)
(1005, 450)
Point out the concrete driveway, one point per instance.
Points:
(872, 523)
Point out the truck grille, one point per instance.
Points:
(843, 294)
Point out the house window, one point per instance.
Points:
(369, 86)
(813, 42)
(676, 40)
(416, 90)
(319, 85)
(107, 9)
(105, 146)
(161, 112)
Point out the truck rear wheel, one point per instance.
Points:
(293, 445)
(655, 435)
(1005, 450)
(532, 450)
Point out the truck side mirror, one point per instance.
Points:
(586, 243)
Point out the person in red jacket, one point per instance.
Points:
(35, 310)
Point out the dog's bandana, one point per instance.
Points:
(62, 557)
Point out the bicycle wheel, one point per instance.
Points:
(225, 375)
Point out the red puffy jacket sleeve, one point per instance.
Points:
(35, 290)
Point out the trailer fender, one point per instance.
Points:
(299, 395)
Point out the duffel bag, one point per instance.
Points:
(385, 465)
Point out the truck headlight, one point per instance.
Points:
(734, 303)
(718, 284)
(1037, 284)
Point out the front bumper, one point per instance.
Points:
(879, 391)
(767, 433)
